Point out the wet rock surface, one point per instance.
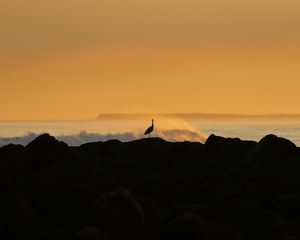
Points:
(151, 189)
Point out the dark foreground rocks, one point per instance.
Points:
(151, 189)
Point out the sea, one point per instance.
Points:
(75, 133)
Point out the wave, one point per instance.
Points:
(172, 135)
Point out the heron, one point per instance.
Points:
(150, 129)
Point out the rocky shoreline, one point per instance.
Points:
(151, 189)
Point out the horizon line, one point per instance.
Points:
(199, 115)
(178, 114)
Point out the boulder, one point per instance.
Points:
(46, 143)
(228, 146)
(190, 226)
(271, 151)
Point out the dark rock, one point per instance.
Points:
(271, 155)
(12, 157)
(91, 233)
(228, 146)
(120, 209)
(16, 215)
(46, 143)
(189, 226)
(288, 206)
(99, 149)
(45, 150)
(151, 189)
(250, 221)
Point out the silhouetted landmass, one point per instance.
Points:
(187, 116)
(151, 189)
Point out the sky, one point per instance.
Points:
(75, 59)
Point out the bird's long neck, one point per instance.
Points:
(152, 123)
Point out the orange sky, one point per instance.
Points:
(76, 59)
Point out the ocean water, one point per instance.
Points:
(79, 132)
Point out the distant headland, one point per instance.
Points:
(197, 116)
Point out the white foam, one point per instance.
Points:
(85, 137)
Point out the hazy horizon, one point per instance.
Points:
(128, 128)
(179, 115)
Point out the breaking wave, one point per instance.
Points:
(172, 135)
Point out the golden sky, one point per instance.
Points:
(74, 59)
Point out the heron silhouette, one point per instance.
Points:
(150, 129)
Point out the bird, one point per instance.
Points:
(150, 129)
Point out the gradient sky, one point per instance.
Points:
(74, 59)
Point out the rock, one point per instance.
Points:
(121, 215)
(91, 233)
(46, 143)
(190, 226)
(288, 206)
(151, 189)
(16, 215)
(228, 146)
(45, 150)
(12, 157)
(248, 220)
(99, 149)
(270, 154)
